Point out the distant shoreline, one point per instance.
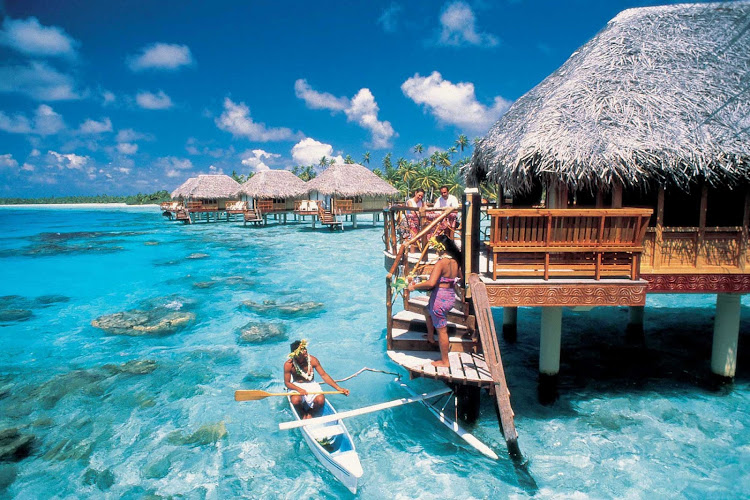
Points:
(77, 205)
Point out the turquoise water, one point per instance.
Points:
(128, 416)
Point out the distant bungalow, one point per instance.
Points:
(273, 191)
(349, 189)
(206, 195)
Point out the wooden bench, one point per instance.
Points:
(567, 242)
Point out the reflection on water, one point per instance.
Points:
(106, 391)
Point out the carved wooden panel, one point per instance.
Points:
(578, 294)
(697, 283)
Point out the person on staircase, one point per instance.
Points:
(446, 273)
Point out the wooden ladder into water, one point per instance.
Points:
(491, 349)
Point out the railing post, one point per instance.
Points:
(470, 235)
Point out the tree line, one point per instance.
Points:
(133, 199)
(441, 168)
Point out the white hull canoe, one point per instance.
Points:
(332, 445)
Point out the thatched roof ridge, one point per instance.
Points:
(183, 190)
(208, 187)
(660, 95)
(274, 184)
(350, 179)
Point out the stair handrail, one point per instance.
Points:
(491, 350)
(417, 237)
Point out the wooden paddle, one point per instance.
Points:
(255, 395)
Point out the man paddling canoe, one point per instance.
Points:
(299, 375)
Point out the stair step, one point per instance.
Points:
(419, 305)
(416, 321)
(405, 339)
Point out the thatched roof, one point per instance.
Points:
(660, 95)
(208, 187)
(344, 179)
(274, 184)
(183, 190)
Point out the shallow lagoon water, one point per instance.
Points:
(128, 416)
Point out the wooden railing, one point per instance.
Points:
(401, 267)
(343, 206)
(195, 206)
(695, 250)
(399, 225)
(567, 242)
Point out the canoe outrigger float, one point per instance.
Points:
(332, 445)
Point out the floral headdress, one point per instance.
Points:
(301, 347)
(434, 243)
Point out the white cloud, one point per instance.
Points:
(361, 109)
(70, 161)
(17, 124)
(130, 135)
(389, 19)
(127, 148)
(364, 111)
(44, 122)
(453, 104)
(173, 166)
(39, 81)
(308, 151)
(161, 56)
(94, 127)
(148, 100)
(236, 119)
(7, 161)
(319, 100)
(254, 159)
(27, 167)
(108, 97)
(34, 153)
(458, 28)
(30, 37)
(123, 170)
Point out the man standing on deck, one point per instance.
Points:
(446, 200)
(299, 375)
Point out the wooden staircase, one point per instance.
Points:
(409, 328)
(327, 218)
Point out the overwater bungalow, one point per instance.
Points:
(273, 192)
(346, 190)
(206, 196)
(629, 171)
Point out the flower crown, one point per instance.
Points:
(302, 346)
(434, 243)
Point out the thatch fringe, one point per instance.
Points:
(344, 179)
(208, 187)
(660, 96)
(274, 184)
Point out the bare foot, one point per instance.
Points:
(440, 364)
(430, 340)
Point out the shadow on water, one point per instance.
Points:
(598, 359)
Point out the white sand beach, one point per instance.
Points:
(102, 206)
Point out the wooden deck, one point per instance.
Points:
(464, 368)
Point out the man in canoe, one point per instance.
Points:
(299, 372)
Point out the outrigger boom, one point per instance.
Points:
(361, 411)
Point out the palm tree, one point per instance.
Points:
(429, 179)
(348, 160)
(462, 142)
(418, 149)
(378, 172)
(387, 161)
(323, 162)
(444, 160)
(366, 157)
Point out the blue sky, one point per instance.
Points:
(124, 97)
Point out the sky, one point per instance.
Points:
(121, 97)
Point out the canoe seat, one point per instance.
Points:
(326, 431)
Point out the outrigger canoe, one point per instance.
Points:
(332, 445)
